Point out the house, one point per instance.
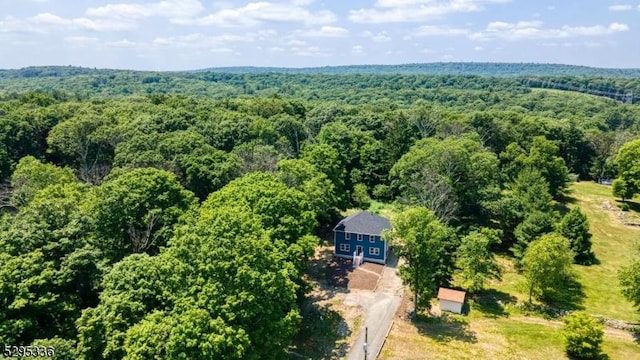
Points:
(360, 234)
(451, 300)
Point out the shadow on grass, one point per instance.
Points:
(601, 356)
(566, 296)
(320, 331)
(327, 270)
(491, 303)
(445, 328)
(633, 205)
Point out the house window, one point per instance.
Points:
(372, 239)
(345, 247)
(359, 237)
(347, 236)
(374, 251)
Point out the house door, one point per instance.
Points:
(358, 250)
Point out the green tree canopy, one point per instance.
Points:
(31, 176)
(546, 265)
(135, 211)
(575, 227)
(629, 277)
(453, 177)
(583, 336)
(48, 271)
(427, 247)
(475, 260)
(628, 161)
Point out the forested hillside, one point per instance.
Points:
(171, 215)
(314, 83)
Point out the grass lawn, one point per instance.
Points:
(497, 326)
(614, 244)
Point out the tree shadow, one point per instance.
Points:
(588, 260)
(567, 296)
(320, 333)
(330, 272)
(445, 328)
(601, 356)
(492, 302)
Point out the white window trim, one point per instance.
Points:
(359, 237)
(347, 236)
(372, 239)
(374, 251)
(345, 247)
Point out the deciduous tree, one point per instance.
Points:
(546, 264)
(475, 260)
(583, 336)
(427, 247)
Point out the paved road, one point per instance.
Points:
(380, 307)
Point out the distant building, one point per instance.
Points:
(605, 181)
(360, 234)
(451, 300)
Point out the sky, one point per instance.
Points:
(191, 34)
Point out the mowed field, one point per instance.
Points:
(499, 326)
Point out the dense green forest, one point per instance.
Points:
(417, 81)
(171, 215)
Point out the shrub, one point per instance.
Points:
(583, 336)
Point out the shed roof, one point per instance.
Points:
(451, 295)
(363, 222)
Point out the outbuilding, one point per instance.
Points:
(451, 300)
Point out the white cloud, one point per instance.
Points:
(276, 49)
(478, 48)
(55, 21)
(80, 40)
(124, 43)
(621, 7)
(379, 37)
(357, 49)
(222, 50)
(259, 12)
(296, 42)
(325, 31)
(430, 30)
(302, 2)
(310, 51)
(526, 30)
(177, 10)
(390, 11)
(201, 41)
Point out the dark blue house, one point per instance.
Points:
(360, 233)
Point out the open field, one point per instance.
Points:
(499, 327)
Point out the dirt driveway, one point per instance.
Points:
(379, 308)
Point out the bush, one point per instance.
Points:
(625, 206)
(361, 196)
(583, 336)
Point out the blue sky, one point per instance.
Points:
(192, 34)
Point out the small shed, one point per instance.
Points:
(451, 300)
(361, 235)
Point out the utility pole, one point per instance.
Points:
(366, 334)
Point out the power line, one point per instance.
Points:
(626, 97)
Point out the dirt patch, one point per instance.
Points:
(622, 217)
(340, 273)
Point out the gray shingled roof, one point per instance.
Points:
(363, 222)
